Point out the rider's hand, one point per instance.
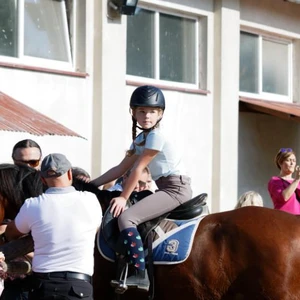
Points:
(117, 206)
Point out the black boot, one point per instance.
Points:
(139, 280)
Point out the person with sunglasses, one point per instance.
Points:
(27, 152)
(284, 189)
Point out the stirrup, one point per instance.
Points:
(139, 280)
(120, 285)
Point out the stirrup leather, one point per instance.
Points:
(120, 285)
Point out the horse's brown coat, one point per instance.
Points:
(245, 254)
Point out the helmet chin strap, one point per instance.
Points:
(145, 130)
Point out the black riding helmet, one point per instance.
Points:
(149, 96)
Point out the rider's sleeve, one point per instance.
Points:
(155, 141)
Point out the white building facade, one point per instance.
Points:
(79, 66)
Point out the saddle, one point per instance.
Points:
(111, 235)
(186, 211)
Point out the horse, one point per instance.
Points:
(244, 254)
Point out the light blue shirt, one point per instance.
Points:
(167, 162)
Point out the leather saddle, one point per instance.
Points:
(186, 211)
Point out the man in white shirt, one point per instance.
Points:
(63, 223)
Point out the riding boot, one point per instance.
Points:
(139, 280)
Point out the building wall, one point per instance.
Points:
(217, 142)
(261, 136)
(61, 98)
(277, 14)
(74, 148)
(187, 120)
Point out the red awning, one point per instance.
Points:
(15, 116)
(287, 111)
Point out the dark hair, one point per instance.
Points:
(17, 184)
(77, 172)
(28, 143)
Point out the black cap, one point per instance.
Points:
(149, 96)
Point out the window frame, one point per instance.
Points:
(37, 62)
(277, 38)
(177, 13)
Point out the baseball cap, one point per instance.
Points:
(55, 165)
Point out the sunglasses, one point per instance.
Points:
(283, 150)
(32, 162)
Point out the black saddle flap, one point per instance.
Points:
(189, 209)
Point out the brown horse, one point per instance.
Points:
(245, 254)
(249, 253)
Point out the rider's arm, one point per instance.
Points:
(116, 171)
(143, 161)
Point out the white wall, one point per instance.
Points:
(61, 98)
(188, 117)
(277, 14)
(205, 127)
(72, 147)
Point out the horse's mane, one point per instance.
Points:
(17, 184)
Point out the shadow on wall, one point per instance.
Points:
(260, 138)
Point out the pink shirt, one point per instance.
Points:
(275, 187)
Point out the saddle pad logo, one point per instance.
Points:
(172, 246)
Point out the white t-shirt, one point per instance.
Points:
(63, 223)
(167, 162)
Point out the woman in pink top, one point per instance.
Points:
(284, 189)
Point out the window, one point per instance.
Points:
(35, 29)
(163, 47)
(265, 65)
